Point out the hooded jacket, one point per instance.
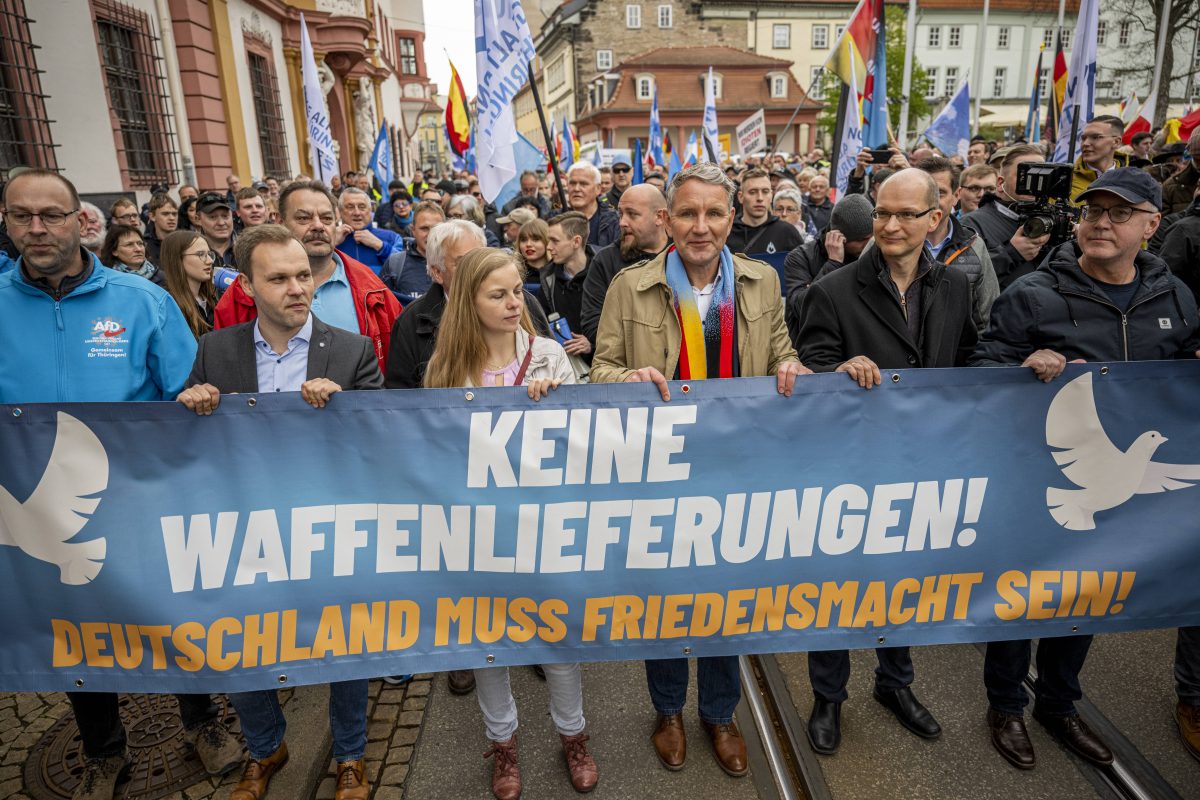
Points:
(374, 305)
(1058, 307)
(773, 236)
(966, 251)
(113, 338)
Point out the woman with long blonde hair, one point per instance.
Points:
(486, 338)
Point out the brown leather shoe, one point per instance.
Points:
(581, 765)
(351, 781)
(506, 775)
(1010, 737)
(1187, 717)
(670, 742)
(257, 774)
(729, 748)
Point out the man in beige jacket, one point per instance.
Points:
(696, 311)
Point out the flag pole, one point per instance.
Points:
(817, 84)
(910, 33)
(1163, 24)
(537, 101)
(980, 49)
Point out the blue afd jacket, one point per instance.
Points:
(115, 337)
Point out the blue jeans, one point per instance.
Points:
(1059, 661)
(829, 672)
(718, 692)
(263, 724)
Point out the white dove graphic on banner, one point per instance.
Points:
(61, 505)
(1107, 476)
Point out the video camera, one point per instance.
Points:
(1051, 211)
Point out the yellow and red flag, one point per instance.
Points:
(854, 52)
(458, 121)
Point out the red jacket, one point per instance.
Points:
(374, 304)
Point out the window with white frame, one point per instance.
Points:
(1102, 32)
(998, 81)
(931, 88)
(1043, 81)
(665, 18)
(1116, 86)
(645, 87)
(1003, 36)
(951, 80)
(1123, 33)
(778, 86)
(820, 37)
(718, 81)
(781, 36)
(604, 60)
(1066, 39)
(556, 73)
(935, 35)
(838, 30)
(954, 36)
(1048, 37)
(814, 75)
(633, 16)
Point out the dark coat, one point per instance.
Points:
(1180, 189)
(1181, 248)
(856, 311)
(1060, 308)
(415, 334)
(997, 230)
(226, 359)
(773, 236)
(604, 266)
(801, 267)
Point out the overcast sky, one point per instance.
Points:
(450, 28)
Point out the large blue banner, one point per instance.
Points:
(149, 549)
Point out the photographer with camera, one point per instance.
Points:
(1014, 253)
(1098, 153)
(1101, 298)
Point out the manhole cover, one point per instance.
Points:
(163, 760)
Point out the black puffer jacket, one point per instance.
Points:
(802, 266)
(1181, 248)
(1058, 307)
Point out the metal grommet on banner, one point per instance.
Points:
(882, 639)
(469, 396)
(1104, 370)
(1074, 629)
(79, 683)
(687, 651)
(685, 388)
(895, 377)
(252, 402)
(491, 659)
(283, 678)
(16, 412)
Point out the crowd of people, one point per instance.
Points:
(298, 286)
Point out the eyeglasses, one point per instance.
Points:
(1118, 214)
(51, 219)
(903, 216)
(131, 217)
(978, 189)
(203, 255)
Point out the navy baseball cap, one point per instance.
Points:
(1128, 183)
(211, 201)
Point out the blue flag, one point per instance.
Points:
(503, 50)
(472, 164)
(674, 166)
(568, 147)
(638, 176)
(875, 107)
(656, 137)
(381, 158)
(950, 131)
(1033, 122)
(527, 158)
(691, 151)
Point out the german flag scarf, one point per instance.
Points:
(708, 347)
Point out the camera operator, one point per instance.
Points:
(1013, 253)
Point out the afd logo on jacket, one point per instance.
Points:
(107, 338)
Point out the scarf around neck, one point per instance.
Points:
(708, 347)
(146, 270)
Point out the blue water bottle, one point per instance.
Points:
(560, 328)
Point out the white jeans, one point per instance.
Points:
(500, 710)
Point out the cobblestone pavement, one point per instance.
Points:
(395, 720)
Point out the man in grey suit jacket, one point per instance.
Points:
(286, 349)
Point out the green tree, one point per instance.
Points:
(918, 106)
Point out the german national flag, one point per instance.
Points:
(458, 122)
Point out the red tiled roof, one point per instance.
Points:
(719, 56)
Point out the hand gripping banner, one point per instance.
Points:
(143, 548)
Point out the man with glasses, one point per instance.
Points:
(1098, 151)
(80, 332)
(973, 183)
(357, 237)
(894, 308)
(125, 212)
(622, 177)
(1180, 188)
(1112, 301)
(1013, 253)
